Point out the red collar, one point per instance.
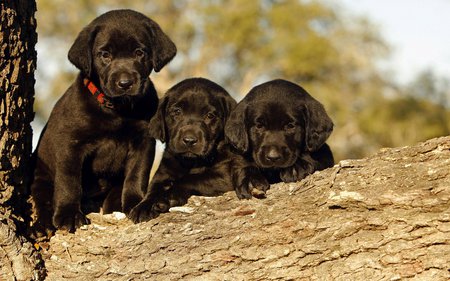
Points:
(99, 96)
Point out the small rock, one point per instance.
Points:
(187, 210)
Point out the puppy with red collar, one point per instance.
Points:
(95, 150)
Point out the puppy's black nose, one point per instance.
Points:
(125, 83)
(273, 155)
(190, 140)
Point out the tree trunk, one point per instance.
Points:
(19, 261)
(386, 217)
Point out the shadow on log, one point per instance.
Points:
(386, 217)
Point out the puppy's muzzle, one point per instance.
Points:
(126, 82)
(275, 156)
(191, 139)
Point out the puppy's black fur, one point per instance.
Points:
(280, 127)
(92, 155)
(191, 119)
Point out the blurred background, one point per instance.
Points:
(381, 68)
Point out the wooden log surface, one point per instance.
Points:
(385, 217)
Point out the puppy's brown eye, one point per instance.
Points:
(139, 53)
(210, 116)
(105, 55)
(259, 126)
(176, 111)
(289, 126)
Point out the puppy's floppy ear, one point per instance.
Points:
(236, 128)
(318, 125)
(163, 49)
(228, 104)
(158, 122)
(80, 54)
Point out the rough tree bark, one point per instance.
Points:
(386, 217)
(19, 261)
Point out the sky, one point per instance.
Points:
(418, 32)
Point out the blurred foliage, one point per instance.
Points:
(404, 120)
(240, 43)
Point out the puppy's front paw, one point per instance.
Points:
(242, 192)
(177, 201)
(147, 210)
(161, 206)
(259, 186)
(41, 230)
(295, 173)
(69, 220)
(254, 184)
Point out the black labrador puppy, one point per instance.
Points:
(95, 150)
(191, 119)
(283, 129)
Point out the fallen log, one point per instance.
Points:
(385, 217)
